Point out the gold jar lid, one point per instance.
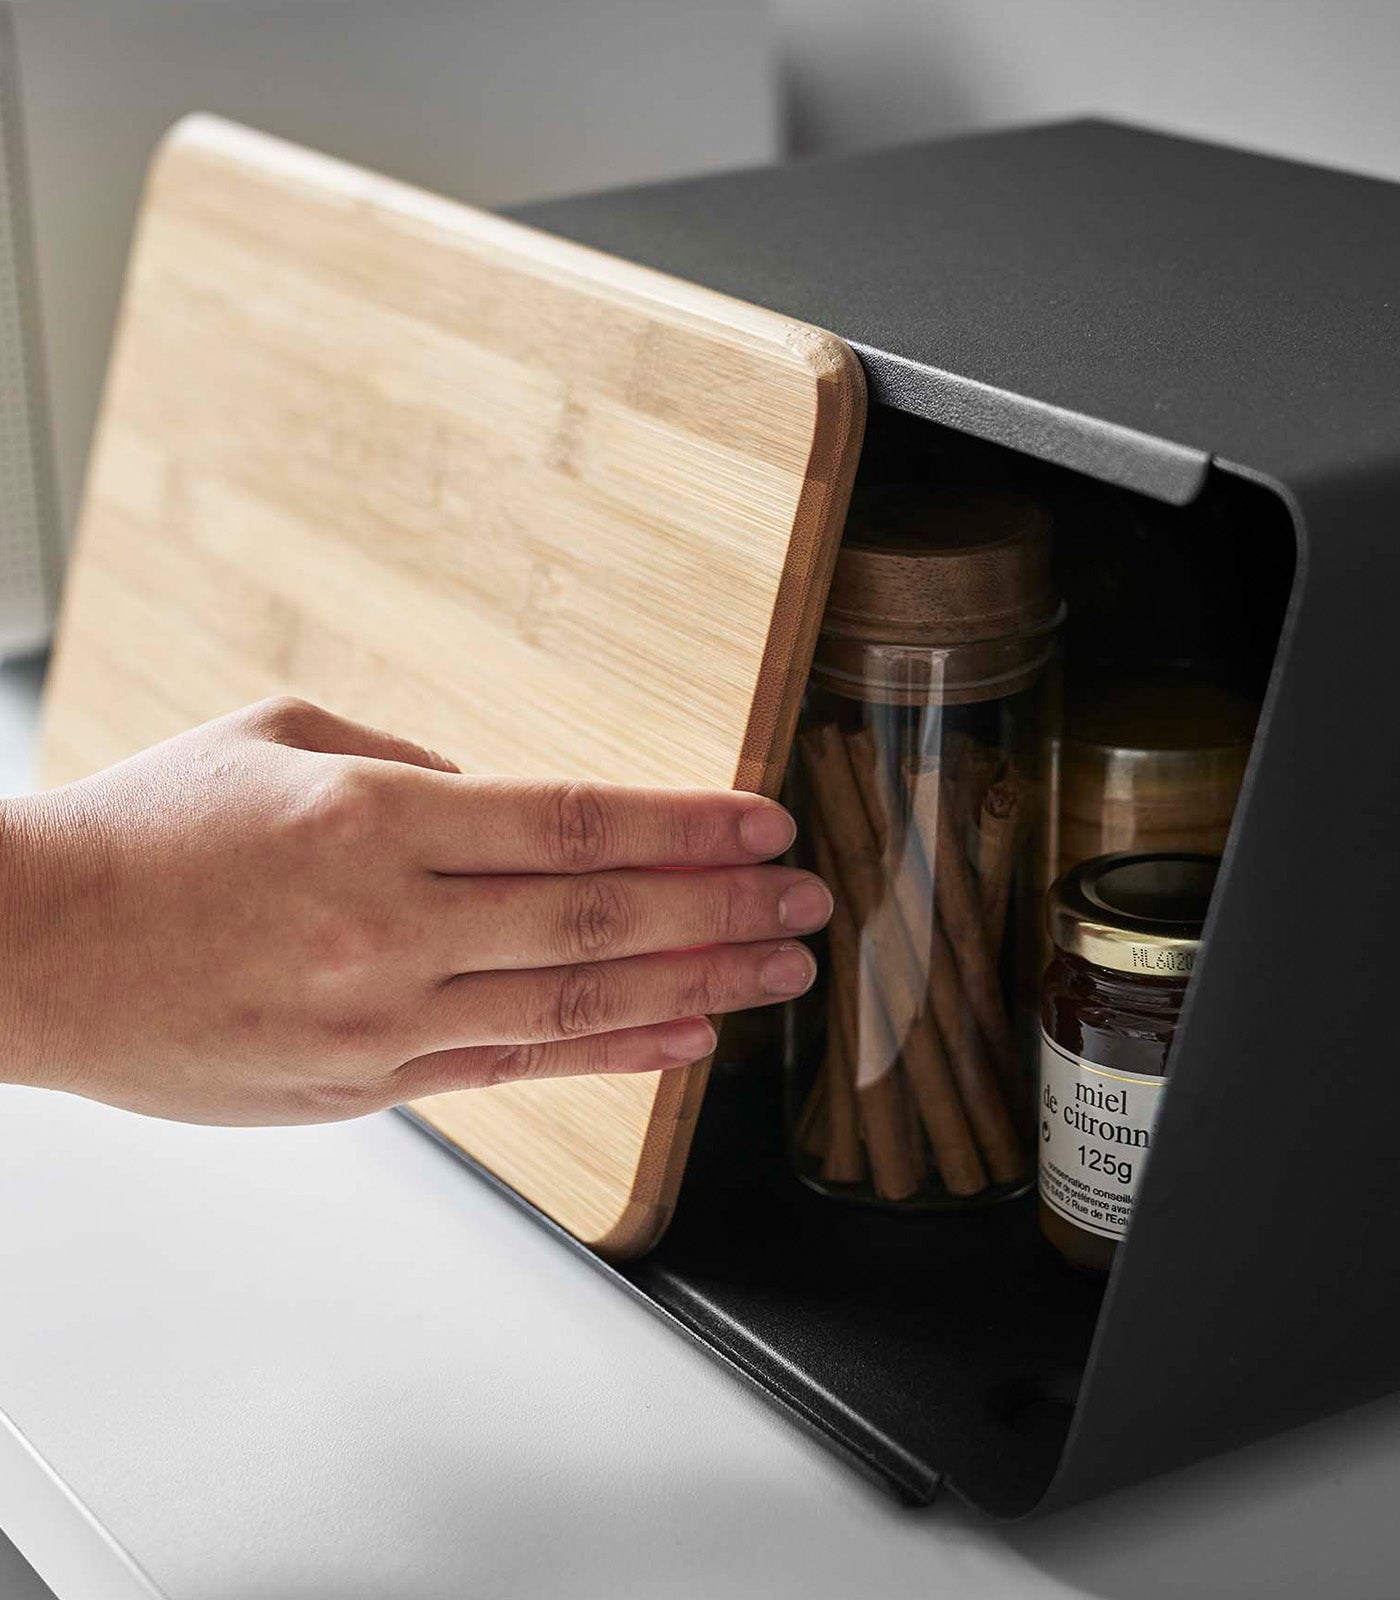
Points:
(941, 593)
(1140, 914)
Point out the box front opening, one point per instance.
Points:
(932, 1344)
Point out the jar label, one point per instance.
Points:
(1095, 1132)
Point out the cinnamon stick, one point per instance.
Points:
(959, 904)
(905, 877)
(888, 961)
(871, 780)
(977, 768)
(845, 1160)
(868, 1049)
(998, 837)
(976, 1079)
(912, 1120)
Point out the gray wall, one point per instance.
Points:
(485, 100)
(1319, 79)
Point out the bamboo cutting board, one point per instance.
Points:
(541, 509)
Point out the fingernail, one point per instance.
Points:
(789, 970)
(806, 906)
(767, 830)
(689, 1040)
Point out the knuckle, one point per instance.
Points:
(347, 807)
(706, 986)
(515, 1063)
(582, 1001)
(355, 1032)
(737, 907)
(578, 828)
(696, 834)
(284, 718)
(600, 917)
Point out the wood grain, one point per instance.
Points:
(538, 508)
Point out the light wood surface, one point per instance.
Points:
(540, 509)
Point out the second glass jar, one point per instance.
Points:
(919, 783)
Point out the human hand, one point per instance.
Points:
(282, 916)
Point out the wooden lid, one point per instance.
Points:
(941, 595)
(935, 566)
(543, 510)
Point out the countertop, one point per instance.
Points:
(300, 1363)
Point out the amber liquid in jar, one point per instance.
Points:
(1127, 930)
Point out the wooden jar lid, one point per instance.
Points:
(942, 566)
(941, 596)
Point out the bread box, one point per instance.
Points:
(562, 494)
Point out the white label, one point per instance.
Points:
(1095, 1133)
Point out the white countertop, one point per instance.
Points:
(329, 1363)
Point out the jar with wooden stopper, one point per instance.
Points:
(918, 779)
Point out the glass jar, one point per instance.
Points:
(1148, 762)
(918, 782)
(1126, 930)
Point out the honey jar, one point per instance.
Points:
(1126, 931)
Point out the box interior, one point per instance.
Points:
(953, 1346)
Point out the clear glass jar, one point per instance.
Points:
(1127, 931)
(918, 781)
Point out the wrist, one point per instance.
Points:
(29, 1052)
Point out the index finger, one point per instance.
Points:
(469, 824)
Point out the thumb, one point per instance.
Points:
(300, 725)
